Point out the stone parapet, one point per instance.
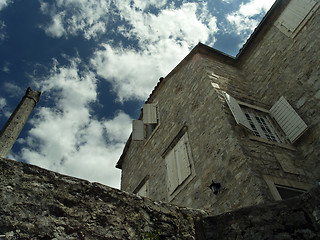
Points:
(41, 204)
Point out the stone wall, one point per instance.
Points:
(296, 218)
(40, 204)
(277, 65)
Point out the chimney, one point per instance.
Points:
(11, 130)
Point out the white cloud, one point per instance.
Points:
(6, 66)
(255, 7)
(118, 128)
(3, 102)
(4, 3)
(4, 108)
(143, 4)
(163, 39)
(74, 17)
(56, 28)
(66, 138)
(181, 24)
(3, 34)
(13, 90)
(134, 74)
(243, 20)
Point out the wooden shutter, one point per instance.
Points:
(171, 172)
(237, 112)
(183, 164)
(295, 13)
(137, 130)
(287, 118)
(150, 114)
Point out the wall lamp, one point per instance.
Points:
(215, 187)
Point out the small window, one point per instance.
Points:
(288, 192)
(143, 191)
(282, 188)
(143, 188)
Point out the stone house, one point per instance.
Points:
(248, 127)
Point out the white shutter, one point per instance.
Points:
(137, 130)
(183, 164)
(287, 118)
(171, 171)
(150, 114)
(295, 13)
(237, 112)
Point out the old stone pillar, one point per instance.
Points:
(11, 130)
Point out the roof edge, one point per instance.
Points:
(258, 29)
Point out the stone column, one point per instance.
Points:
(11, 130)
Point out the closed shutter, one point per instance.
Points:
(183, 164)
(287, 118)
(150, 114)
(137, 130)
(171, 172)
(295, 13)
(237, 112)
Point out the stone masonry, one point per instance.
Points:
(41, 204)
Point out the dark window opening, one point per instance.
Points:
(289, 192)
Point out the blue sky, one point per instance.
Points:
(96, 62)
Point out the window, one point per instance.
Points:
(286, 192)
(281, 188)
(179, 165)
(295, 15)
(143, 129)
(143, 188)
(262, 122)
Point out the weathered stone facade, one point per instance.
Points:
(270, 65)
(40, 204)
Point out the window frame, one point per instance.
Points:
(284, 120)
(273, 181)
(174, 176)
(266, 129)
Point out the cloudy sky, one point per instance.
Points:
(96, 63)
